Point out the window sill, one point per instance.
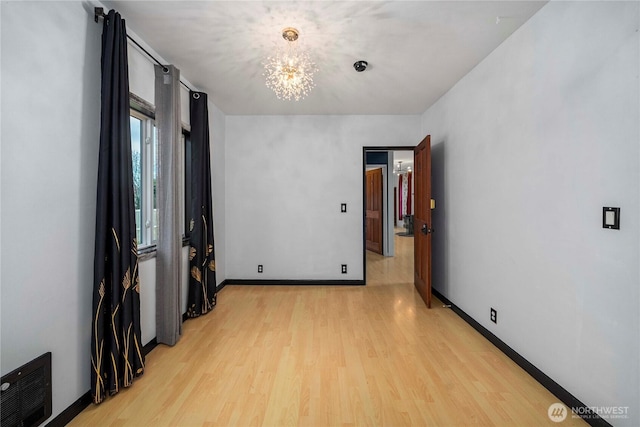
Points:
(146, 252)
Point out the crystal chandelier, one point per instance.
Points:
(289, 72)
(399, 170)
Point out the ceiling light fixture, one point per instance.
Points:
(289, 72)
(399, 170)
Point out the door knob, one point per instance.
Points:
(426, 230)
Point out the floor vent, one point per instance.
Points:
(26, 394)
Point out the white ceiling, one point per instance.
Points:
(417, 50)
(406, 157)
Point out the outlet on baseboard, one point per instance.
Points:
(494, 315)
(259, 268)
(344, 268)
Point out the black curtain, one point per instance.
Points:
(116, 351)
(202, 264)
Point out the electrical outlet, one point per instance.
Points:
(259, 268)
(494, 315)
(343, 207)
(344, 268)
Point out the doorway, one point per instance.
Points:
(397, 203)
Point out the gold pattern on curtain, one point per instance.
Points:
(202, 293)
(116, 356)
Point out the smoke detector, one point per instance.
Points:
(360, 66)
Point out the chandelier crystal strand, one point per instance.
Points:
(289, 72)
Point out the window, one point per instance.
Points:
(144, 158)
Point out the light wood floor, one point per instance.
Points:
(329, 356)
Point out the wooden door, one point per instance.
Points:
(373, 215)
(422, 220)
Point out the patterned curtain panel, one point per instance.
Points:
(202, 280)
(400, 187)
(405, 188)
(116, 351)
(168, 248)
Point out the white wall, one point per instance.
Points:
(50, 118)
(50, 86)
(390, 232)
(217, 129)
(527, 149)
(286, 177)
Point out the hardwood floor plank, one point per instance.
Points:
(330, 356)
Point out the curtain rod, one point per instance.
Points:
(99, 13)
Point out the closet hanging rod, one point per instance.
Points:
(99, 13)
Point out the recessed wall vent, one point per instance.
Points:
(26, 394)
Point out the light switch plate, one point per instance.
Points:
(611, 218)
